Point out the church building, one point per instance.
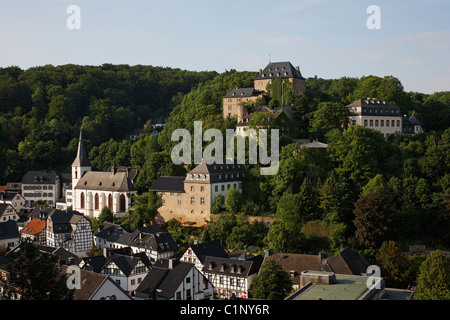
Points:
(93, 190)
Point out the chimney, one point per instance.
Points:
(266, 253)
(105, 251)
(297, 68)
(260, 71)
(195, 242)
(171, 263)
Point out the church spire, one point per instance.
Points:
(81, 160)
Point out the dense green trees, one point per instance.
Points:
(403, 181)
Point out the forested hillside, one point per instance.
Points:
(43, 108)
(360, 192)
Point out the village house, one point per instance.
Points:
(7, 213)
(150, 239)
(197, 253)
(69, 230)
(412, 125)
(188, 199)
(127, 269)
(9, 235)
(170, 279)
(346, 262)
(41, 185)
(35, 231)
(16, 200)
(96, 286)
(231, 278)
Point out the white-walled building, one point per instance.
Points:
(41, 185)
(93, 190)
(376, 114)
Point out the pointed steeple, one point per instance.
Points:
(81, 160)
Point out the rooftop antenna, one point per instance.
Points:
(270, 60)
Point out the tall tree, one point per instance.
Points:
(272, 282)
(433, 281)
(36, 276)
(394, 265)
(371, 214)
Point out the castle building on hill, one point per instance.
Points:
(91, 191)
(188, 199)
(234, 103)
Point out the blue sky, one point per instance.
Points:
(326, 38)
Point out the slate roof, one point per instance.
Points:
(37, 211)
(382, 107)
(280, 70)
(82, 159)
(109, 231)
(125, 262)
(211, 248)
(9, 230)
(40, 177)
(229, 266)
(105, 181)
(216, 172)
(163, 281)
(4, 206)
(348, 262)
(62, 221)
(242, 93)
(90, 282)
(168, 184)
(152, 237)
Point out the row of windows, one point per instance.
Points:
(38, 195)
(381, 123)
(202, 201)
(375, 110)
(34, 187)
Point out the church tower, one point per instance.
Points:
(80, 166)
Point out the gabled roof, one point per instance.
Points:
(294, 263)
(4, 206)
(227, 266)
(90, 283)
(348, 262)
(63, 220)
(163, 280)
(211, 248)
(242, 93)
(152, 237)
(40, 177)
(82, 159)
(9, 230)
(105, 181)
(168, 184)
(109, 231)
(125, 262)
(280, 70)
(34, 227)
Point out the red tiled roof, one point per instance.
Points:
(34, 227)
